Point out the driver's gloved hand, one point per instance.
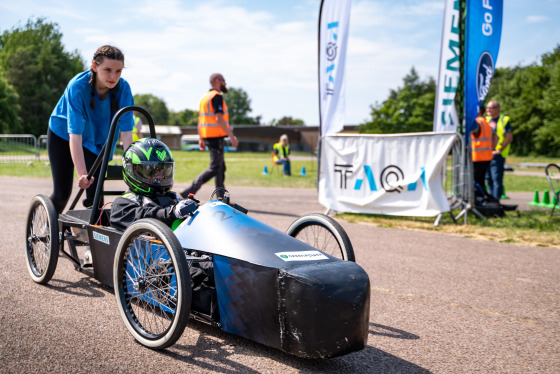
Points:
(184, 208)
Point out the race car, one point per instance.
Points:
(298, 291)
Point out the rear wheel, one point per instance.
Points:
(152, 284)
(41, 239)
(324, 233)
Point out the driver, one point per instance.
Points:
(148, 170)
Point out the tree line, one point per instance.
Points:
(530, 95)
(35, 69)
(239, 108)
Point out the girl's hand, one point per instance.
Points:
(84, 183)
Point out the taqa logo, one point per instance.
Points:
(331, 53)
(484, 73)
(391, 178)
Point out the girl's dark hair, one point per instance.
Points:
(112, 53)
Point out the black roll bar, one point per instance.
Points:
(103, 158)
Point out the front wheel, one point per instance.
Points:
(324, 233)
(41, 236)
(152, 284)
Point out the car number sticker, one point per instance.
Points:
(100, 237)
(301, 256)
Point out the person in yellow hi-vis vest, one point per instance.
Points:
(213, 127)
(502, 125)
(281, 153)
(137, 130)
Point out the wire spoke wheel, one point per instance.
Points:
(324, 233)
(42, 239)
(152, 284)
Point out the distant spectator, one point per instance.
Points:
(281, 154)
(502, 125)
(483, 142)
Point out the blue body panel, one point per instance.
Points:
(277, 290)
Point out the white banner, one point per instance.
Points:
(445, 113)
(334, 21)
(397, 174)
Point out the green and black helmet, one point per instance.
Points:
(148, 167)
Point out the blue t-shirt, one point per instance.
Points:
(73, 114)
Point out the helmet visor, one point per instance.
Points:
(155, 173)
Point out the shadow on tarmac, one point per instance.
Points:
(391, 332)
(274, 213)
(218, 351)
(86, 287)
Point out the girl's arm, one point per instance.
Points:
(77, 153)
(126, 137)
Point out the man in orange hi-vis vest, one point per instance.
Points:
(213, 127)
(483, 143)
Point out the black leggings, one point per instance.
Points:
(62, 168)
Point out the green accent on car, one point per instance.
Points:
(176, 224)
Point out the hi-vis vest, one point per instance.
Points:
(278, 147)
(500, 127)
(482, 145)
(135, 135)
(208, 126)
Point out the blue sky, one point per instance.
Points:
(269, 48)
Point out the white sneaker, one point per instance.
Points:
(87, 257)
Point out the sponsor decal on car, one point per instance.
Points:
(301, 256)
(100, 237)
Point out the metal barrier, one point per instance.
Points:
(455, 180)
(23, 149)
(42, 149)
(15, 149)
(455, 186)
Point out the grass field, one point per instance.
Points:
(243, 169)
(534, 227)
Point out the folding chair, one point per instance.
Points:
(275, 163)
(553, 175)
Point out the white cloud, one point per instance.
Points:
(174, 56)
(536, 19)
(171, 49)
(269, 48)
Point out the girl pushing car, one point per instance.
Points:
(80, 122)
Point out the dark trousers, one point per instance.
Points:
(479, 172)
(62, 168)
(216, 170)
(495, 176)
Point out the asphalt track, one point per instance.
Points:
(440, 303)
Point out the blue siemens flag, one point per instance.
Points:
(483, 30)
